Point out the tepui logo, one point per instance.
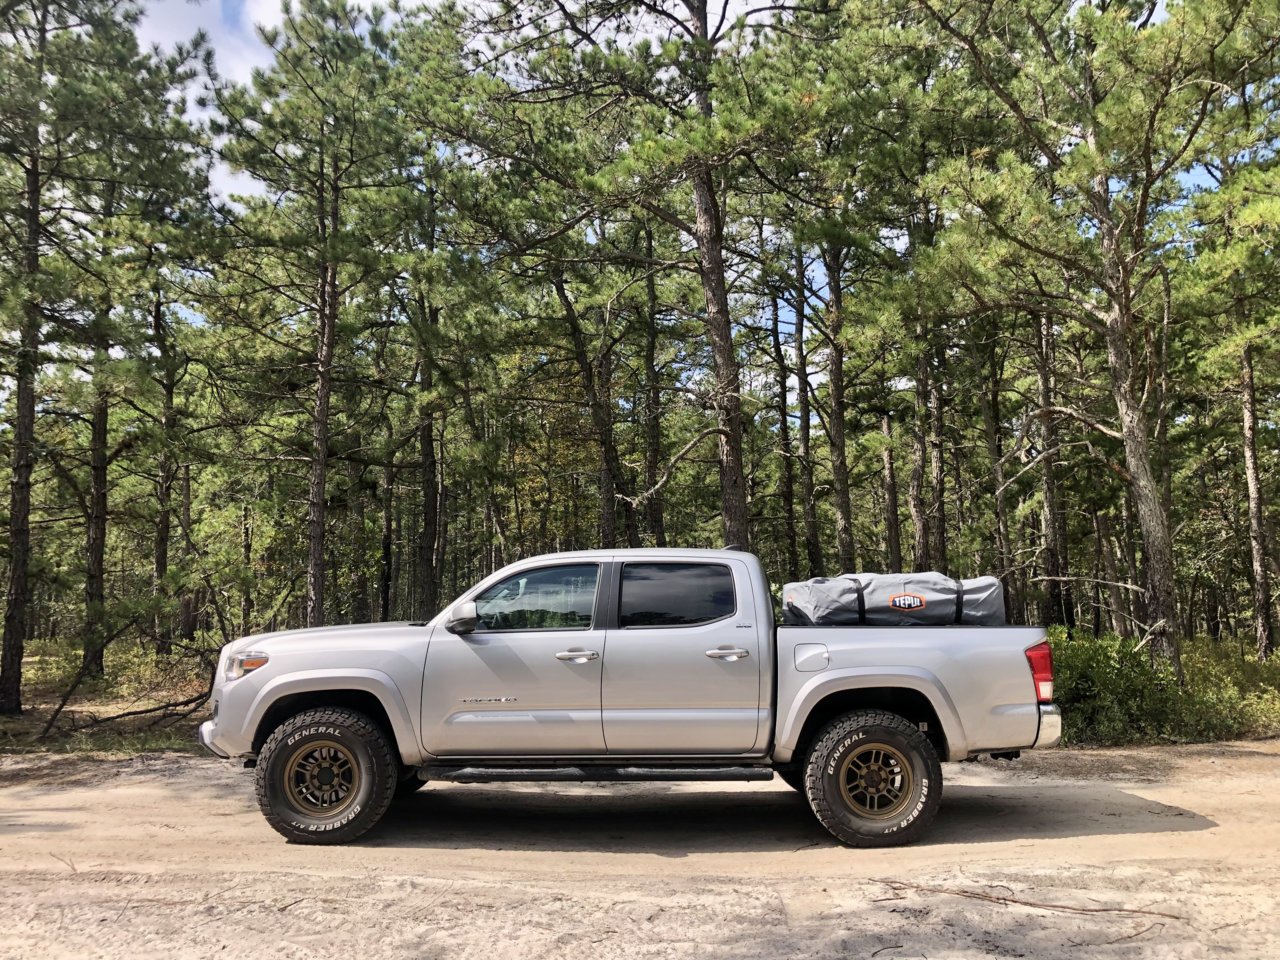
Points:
(907, 601)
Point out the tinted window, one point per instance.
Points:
(675, 594)
(552, 598)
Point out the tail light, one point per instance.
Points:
(1040, 659)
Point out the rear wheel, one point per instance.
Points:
(326, 776)
(873, 779)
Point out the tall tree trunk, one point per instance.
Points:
(892, 525)
(595, 376)
(385, 564)
(1117, 597)
(652, 404)
(326, 332)
(361, 611)
(921, 557)
(442, 523)
(425, 591)
(428, 571)
(833, 261)
(1257, 529)
(246, 560)
(95, 627)
(989, 405)
(786, 481)
(708, 234)
(18, 588)
(187, 604)
(1144, 487)
(937, 466)
(1056, 606)
(166, 475)
(804, 456)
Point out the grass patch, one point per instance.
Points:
(1112, 694)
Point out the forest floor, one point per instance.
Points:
(1164, 852)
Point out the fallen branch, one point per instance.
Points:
(898, 886)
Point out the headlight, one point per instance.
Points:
(243, 663)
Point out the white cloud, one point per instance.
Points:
(228, 24)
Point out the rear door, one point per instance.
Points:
(527, 680)
(682, 670)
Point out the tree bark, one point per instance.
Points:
(1257, 528)
(1055, 609)
(246, 560)
(328, 211)
(708, 234)
(652, 405)
(187, 605)
(385, 565)
(989, 405)
(18, 587)
(846, 549)
(1144, 487)
(1117, 597)
(166, 475)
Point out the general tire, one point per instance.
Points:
(873, 779)
(326, 776)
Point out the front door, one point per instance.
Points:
(682, 667)
(527, 680)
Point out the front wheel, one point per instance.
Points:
(326, 776)
(873, 779)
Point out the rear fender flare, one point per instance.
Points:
(823, 685)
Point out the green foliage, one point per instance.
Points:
(1013, 251)
(1111, 693)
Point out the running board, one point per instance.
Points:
(589, 773)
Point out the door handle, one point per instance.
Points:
(578, 656)
(729, 654)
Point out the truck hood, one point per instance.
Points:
(268, 642)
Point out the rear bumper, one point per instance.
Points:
(206, 740)
(1050, 726)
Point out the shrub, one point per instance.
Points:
(1111, 693)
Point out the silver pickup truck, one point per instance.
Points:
(625, 665)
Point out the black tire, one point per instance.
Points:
(793, 777)
(874, 780)
(326, 776)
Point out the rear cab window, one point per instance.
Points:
(675, 594)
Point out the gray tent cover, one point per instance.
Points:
(894, 600)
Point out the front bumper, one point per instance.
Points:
(206, 740)
(1050, 726)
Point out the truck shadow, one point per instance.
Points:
(677, 820)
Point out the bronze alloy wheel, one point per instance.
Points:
(877, 781)
(322, 778)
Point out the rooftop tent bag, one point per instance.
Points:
(894, 600)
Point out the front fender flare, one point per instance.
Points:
(374, 682)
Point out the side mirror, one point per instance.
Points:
(462, 618)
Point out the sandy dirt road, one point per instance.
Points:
(1169, 852)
